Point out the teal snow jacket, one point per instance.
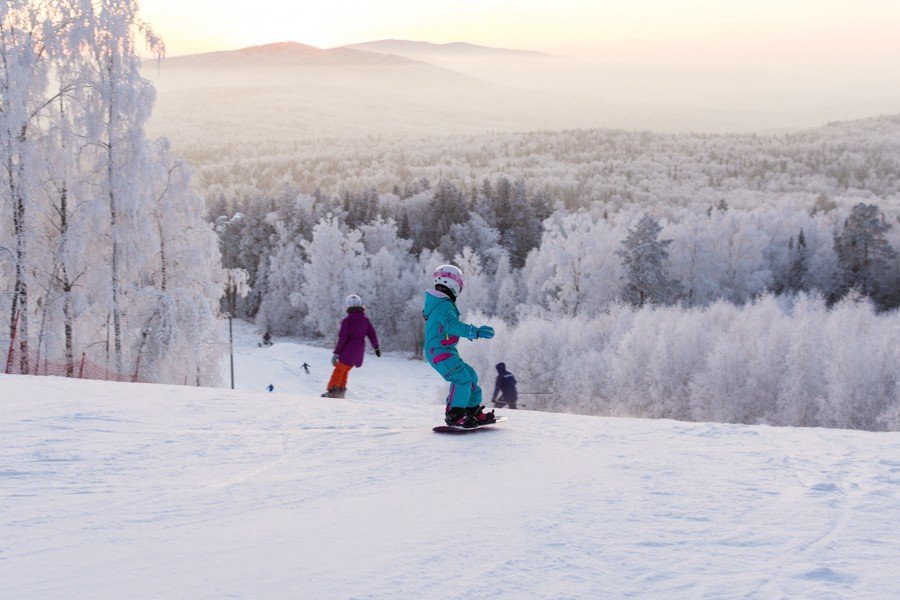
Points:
(443, 328)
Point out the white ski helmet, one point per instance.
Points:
(352, 301)
(449, 276)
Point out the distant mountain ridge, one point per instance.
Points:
(412, 48)
(286, 54)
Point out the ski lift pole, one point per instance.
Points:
(231, 348)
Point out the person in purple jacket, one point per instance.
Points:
(351, 346)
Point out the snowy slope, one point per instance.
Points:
(389, 378)
(141, 491)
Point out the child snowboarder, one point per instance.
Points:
(351, 345)
(442, 332)
(506, 387)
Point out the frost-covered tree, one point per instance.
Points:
(505, 291)
(575, 270)
(474, 233)
(281, 310)
(176, 306)
(798, 271)
(335, 262)
(645, 259)
(389, 278)
(118, 103)
(476, 294)
(120, 267)
(522, 226)
(26, 49)
(863, 252)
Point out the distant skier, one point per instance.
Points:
(442, 332)
(266, 340)
(506, 387)
(351, 346)
(270, 388)
(305, 367)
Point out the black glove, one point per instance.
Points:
(334, 360)
(378, 352)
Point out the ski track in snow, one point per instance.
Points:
(140, 491)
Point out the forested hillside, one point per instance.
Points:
(572, 227)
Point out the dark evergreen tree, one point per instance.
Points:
(864, 254)
(798, 272)
(523, 228)
(644, 256)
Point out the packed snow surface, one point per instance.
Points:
(143, 491)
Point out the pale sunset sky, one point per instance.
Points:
(703, 33)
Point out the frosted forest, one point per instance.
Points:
(743, 278)
(108, 267)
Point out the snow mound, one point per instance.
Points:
(144, 491)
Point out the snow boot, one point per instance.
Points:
(458, 417)
(333, 393)
(480, 417)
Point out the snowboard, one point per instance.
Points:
(460, 429)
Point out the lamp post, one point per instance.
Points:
(231, 349)
(231, 292)
(236, 282)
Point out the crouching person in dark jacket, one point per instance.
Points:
(506, 387)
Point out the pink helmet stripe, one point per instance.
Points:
(452, 276)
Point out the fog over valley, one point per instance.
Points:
(290, 91)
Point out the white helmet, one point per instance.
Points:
(449, 276)
(352, 301)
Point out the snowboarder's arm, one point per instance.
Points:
(454, 327)
(373, 337)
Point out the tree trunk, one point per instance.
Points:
(20, 293)
(162, 254)
(114, 236)
(67, 287)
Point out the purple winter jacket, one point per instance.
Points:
(351, 345)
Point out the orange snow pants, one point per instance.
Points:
(339, 376)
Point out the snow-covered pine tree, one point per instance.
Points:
(863, 252)
(798, 272)
(505, 290)
(523, 226)
(645, 258)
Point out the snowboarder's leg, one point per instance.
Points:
(342, 376)
(460, 392)
(475, 396)
(461, 379)
(474, 409)
(338, 377)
